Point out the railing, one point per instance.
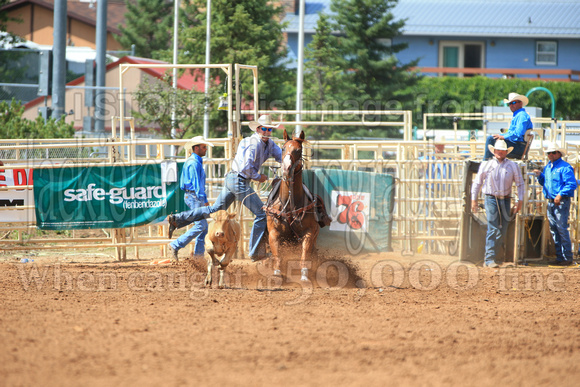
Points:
(557, 75)
(426, 208)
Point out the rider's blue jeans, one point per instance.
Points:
(197, 232)
(235, 187)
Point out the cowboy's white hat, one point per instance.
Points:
(517, 97)
(554, 148)
(264, 120)
(500, 145)
(197, 140)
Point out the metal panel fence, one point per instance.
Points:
(427, 210)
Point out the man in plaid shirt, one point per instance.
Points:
(497, 176)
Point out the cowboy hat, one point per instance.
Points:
(197, 140)
(516, 97)
(264, 120)
(554, 148)
(500, 145)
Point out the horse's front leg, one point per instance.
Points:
(308, 242)
(274, 239)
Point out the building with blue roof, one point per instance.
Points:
(526, 35)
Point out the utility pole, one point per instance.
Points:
(207, 62)
(101, 61)
(59, 59)
(299, 73)
(175, 40)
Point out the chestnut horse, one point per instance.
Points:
(291, 216)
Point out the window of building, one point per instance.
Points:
(461, 54)
(546, 52)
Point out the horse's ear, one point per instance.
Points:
(302, 135)
(286, 138)
(298, 135)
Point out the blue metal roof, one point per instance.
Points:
(516, 18)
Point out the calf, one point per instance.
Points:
(221, 241)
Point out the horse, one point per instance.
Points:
(291, 215)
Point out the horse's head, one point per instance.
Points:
(292, 154)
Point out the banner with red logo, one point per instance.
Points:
(361, 206)
(13, 198)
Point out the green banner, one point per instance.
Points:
(361, 205)
(104, 197)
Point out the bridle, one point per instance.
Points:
(296, 162)
(290, 211)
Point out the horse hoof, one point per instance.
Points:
(277, 273)
(304, 276)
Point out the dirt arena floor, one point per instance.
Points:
(370, 320)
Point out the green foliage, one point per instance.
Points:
(7, 37)
(13, 68)
(155, 99)
(13, 126)
(324, 75)
(470, 95)
(242, 31)
(358, 69)
(367, 31)
(148, 26)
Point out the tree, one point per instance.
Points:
(329, 84)
(367, 42)
(324, 66)
(7, 37)
(12, 125)
(10, 68)
(156, 105)
(357, 69)
(148, 26)
(242, 31)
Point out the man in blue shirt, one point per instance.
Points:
(559, 184)
(514, 137)
(192, 182)
(252, 152)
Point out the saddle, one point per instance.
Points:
(319, 208)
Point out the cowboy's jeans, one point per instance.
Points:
(498, 218)
(197, 232)
(516, 153)
(235, 187)
(558, 218)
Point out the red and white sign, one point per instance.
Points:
(16, 197)
(350, 211)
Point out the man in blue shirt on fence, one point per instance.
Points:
(514, 137)
(252, 152)
(192, 182)
(559, 184)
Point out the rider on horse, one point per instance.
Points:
(252, 152)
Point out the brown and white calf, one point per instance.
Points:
(221, 244)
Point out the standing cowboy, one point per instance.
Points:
(559, 184)
(497, 177)
(192, 182)
(252, 152)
